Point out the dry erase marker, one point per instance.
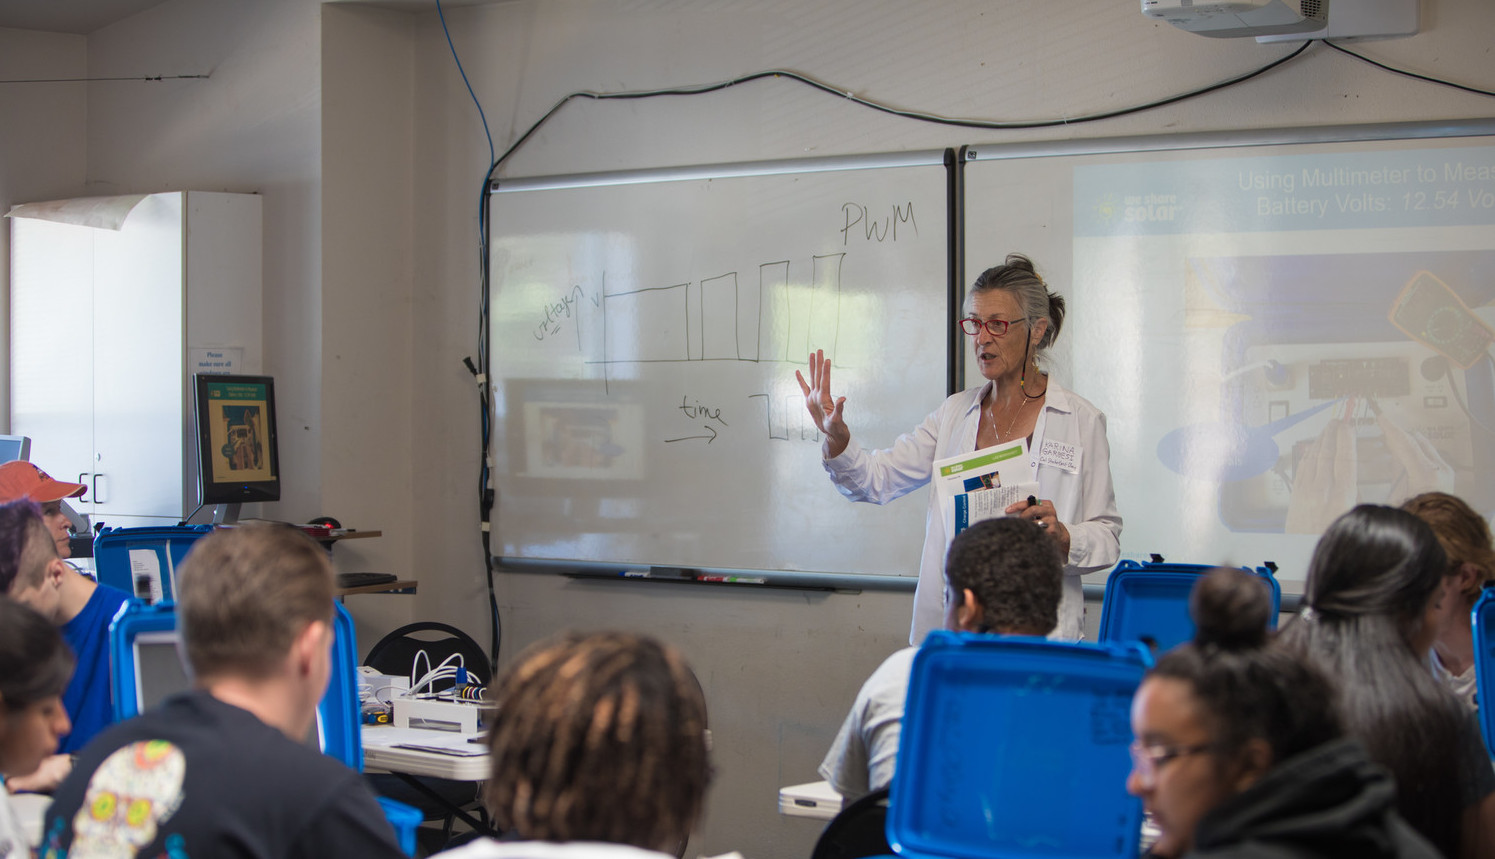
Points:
(737, 580)
(1032, 501)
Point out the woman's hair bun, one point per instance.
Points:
(1231, 609)
(1021, 263)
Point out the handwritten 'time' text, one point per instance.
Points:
(695, 410)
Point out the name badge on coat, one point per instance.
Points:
(1058, 454)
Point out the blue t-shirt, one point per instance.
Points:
(86, 699)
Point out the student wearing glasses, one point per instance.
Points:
(1239, 752)
(1012, 319)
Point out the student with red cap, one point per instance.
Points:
(21, 479)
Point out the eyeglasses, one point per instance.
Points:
(996, 327)
(1147, 760)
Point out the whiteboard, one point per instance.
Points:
(646, 327)
(1234, 299)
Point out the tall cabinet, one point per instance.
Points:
(107, 326)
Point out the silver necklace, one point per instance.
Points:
(1010, 424)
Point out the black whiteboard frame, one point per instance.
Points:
(798, 580)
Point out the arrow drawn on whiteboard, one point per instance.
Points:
(709, 438)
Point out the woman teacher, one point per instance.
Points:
(1012, 319)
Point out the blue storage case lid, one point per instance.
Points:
(1483, 620)
(1152, 601)
(112, 549)
(1017, 747)
(339, 715)
(404, 819)
(133, 621)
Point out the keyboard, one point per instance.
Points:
(363, 580)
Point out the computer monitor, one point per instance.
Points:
(14, 447)
(159, 672)
(237, 452)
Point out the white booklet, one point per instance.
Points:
(983, 484)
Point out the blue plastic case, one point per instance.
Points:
(111, 556)
(338, 713)
(1152, 601)
(1017, 747)
(1483, 620)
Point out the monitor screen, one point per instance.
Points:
(14, 447)
(238, 458)
(160, 673)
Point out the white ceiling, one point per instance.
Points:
(68, 16)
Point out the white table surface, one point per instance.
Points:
(388, 748)
(815, 799)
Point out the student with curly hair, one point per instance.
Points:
(1001, 575)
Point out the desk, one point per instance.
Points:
(385, 747)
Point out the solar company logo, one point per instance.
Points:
(1107, 209)
(1147, 208)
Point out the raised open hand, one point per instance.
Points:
(824, 409)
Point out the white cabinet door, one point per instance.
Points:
(100, 335)
(52, 346)
(139, 388)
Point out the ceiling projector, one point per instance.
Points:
(1240, 18)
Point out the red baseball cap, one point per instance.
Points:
(21, 479)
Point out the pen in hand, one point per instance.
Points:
(1033, 502)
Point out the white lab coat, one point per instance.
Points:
(1084, 499)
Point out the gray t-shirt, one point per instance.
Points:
(865, 752)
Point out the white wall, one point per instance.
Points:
(42, 141)
(253, 126)
(781, 668)
(369, 286)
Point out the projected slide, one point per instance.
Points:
(1277, 338)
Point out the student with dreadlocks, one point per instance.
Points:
(599, 748)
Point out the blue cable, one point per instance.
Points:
(482, 369)
(458, 60)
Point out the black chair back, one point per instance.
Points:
(859, 830)
(395, 653)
